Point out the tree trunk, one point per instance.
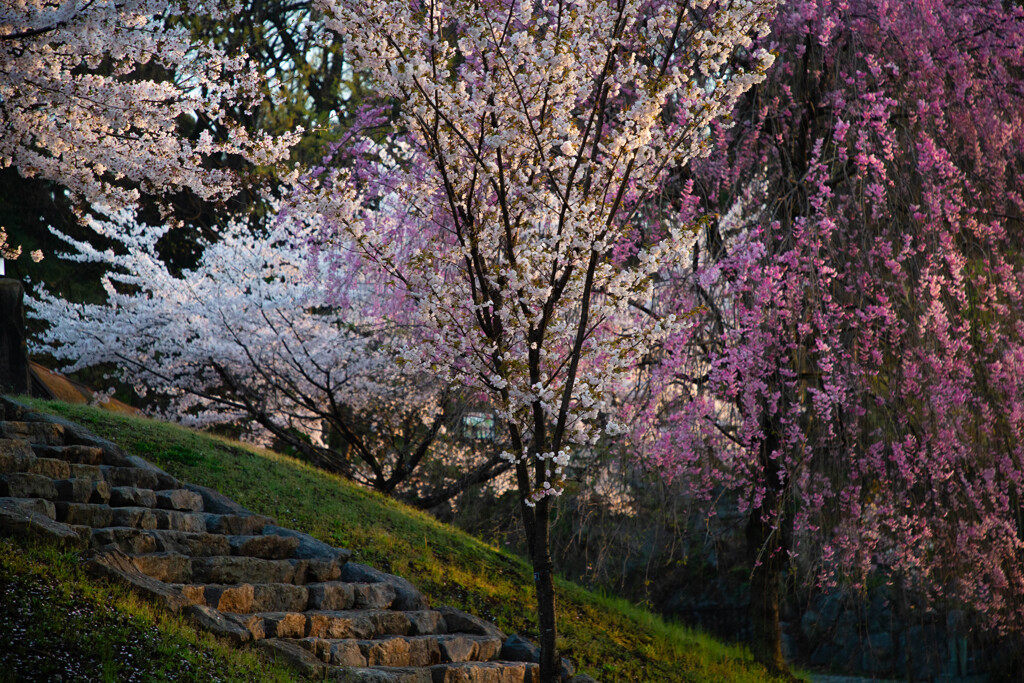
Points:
(544, 583)
(14, 372)
(767, 550)
(765, 584)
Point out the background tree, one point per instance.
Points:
(529, 132)
(249, 338)
(854, 374)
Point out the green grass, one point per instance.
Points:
(58, 624)
(608, 638)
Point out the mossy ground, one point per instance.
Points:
(607, 638)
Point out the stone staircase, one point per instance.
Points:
(233, 572)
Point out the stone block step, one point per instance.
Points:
(38, 505)
(247, 598)
(82, 491)
(466, 672)
(81, 455)
(485, 672)
(342, 624)
(167, 499)
(27, 485)
(15, 455)
(98, 516)
(34, 432)
(138, 477)
(403, 651)
(134, 541)
(173, 567)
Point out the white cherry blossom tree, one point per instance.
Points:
(530, 136)
(250, 338)
(91, 91)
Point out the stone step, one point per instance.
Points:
(38, 505)
(46, 433)
(342, 624)
(100, 516)
(172, 567)
(403, 651)
(247, 598)
(132, 540)
(166, 499)
(81, 455)
(485, 672)
(15, 455)
(82, 491)
(138, 477)
(464, 672)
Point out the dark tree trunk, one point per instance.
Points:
(544, 583)
(767, 549)
(14, 377)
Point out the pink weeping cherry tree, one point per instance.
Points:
(854, 370)
(503, 204)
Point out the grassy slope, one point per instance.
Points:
(608, 638)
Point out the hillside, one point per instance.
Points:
(608, 639)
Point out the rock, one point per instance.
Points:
(135, 477)
(86, 514)
(284, 624)
(125, 539)
(173, 520)
(406, 595)
(24, 521)
(163, 480)
(480, 672)
(82, 455)
(235, 525)
(216, 502)
(88, 472)
(331, 596)
(309, 548)
(114, 564)
(347, 653)
(457, 621)
(373, 595)
(458, 648)
(50, 468)
(15, 455)
(237, 599)
(235, 570)
(268, 547)
(294, 656)
(218, 624)
(179, 499)
(425, 622)
(386, 675)
(196, 544)
(129, 496)
(76, 490)
(279, 597)
(134, 517)
(26, 485)
(166, 567)
(517, 649)
(34, 432)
